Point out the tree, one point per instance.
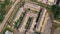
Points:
(1, 18)
(7, 2)
(56, 11)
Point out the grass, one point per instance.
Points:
(42, 4)
(15, 26)
(34, 0)
(2, 7)
(37, 32)
(48, 7)
(19, 21)
(2, 10)
(7, 2)
(1, 18)
(28, 22)
(22, 2)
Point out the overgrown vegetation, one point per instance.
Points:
(2, 9)
(7, 2)
(28, 22)
(1, 18)
(17, 24)
(7, 29)
(19, 20)
(55, 9)
(34, 0)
